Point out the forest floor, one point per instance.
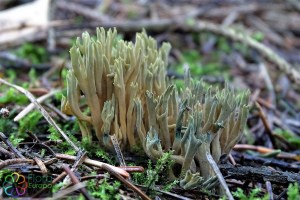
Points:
(252, 45)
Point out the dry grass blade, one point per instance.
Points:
(219, 175)
(42, 110)
(9, 144)
(31, 106)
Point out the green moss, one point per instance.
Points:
(253, 195)
(104, 190)
(293, 191)
(290, 137)
(15, 139)
(12, 96)
(34, 53)
(32, 76)
(258, 36)
(156, 172)
(198, 66)
(30, 122)
(11, 75)
(54, 134)
(223, 45)
(94, 149)
(7, 125)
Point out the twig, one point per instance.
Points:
(50, 161)
(127, 183)
(41, 145)
(41, 165)
(173, 195)
(266, 124)
(265, 150)
(118, 150)
(201, 25)
(133, 168)
(268, 82)
(81, 155)
(62, 193)
(265, 104)
(264, 27)
(76, 181)
(96, 164)
(229, 32)
(58, 178)
(58, 112)
(82, 10)
(4, 151)
(219, 175)
(7, 142)
(98, 176)
(260, 174)
(269, 189)
(15, 161)
(31, 106)
(245, 158)
(231, 159)
(280, 196)
(33, 136)
(42, 110)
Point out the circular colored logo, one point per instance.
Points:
(15, 185)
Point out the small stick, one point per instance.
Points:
(81, 156)
(4, 151)
(265, 150)
(50, 161)
(42, 110)
(15, 161)
(57, 111)
(41, 145)
(67, 191)
(118, 150)
(231, 159)
(219, 175)
(269, 189)
(9, 144)
(268, 82)
(75, 181)
(33, 136)
(98, 176)
(172, 195)
(128, 183)
(96, 164)
(132, 168)
(79, 160)
(41, 165)
(58, 178)
(31, 106)
(266, 124)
